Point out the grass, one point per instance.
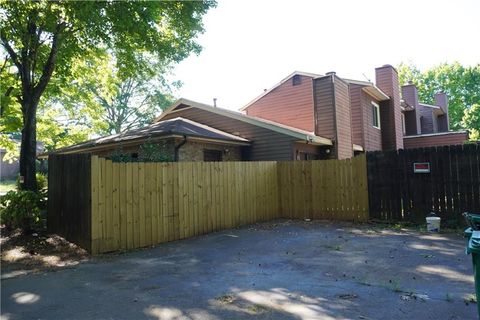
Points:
(7, 185)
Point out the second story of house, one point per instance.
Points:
(357, 115)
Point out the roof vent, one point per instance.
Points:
(214, 102)
(331, 73)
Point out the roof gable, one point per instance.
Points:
(295, 73)
(274, 126)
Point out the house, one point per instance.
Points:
(180, 140)
(357, 115)
(191, 131)
(10, 168)
(305, 116)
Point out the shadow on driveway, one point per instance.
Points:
(277, 270)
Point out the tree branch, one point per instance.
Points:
(50, 64)
(13, 55)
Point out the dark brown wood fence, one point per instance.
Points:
(396, 193)
(69, 197)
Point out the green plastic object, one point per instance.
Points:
(473, 248)
(473, 220)
(468, 233)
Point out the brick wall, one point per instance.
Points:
(193, 151)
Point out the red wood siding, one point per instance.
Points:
(355, 92)
(287, 104)
(343, 118)
(266, 144)
(452, 138)
(323, 94)
(412, 117)
(426, 119)
(391, 113)
(372, 135)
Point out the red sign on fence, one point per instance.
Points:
(421, 167)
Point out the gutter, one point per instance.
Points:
(177, 147)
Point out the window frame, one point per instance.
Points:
(376, 115)
(213, 151)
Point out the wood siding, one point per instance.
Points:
(324, 101)
(355, 92)
(435, 140)
(287, 104)
(391, 113)
(372, 135)
(267, 144)
(412, 117)
(343, 119)
(426, 119)
(363, 131)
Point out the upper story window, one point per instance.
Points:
(404, 128)
(376, 115)
(296, 80)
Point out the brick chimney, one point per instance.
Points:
(441, 100)
(390, 111)
(412, 117)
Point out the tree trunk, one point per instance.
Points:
(28, 148)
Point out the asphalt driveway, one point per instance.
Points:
(279, 270)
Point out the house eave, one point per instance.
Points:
(270, 125)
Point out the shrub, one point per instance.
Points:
(147, 152)
(21, 209)
(42, 183)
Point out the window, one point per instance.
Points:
(296, 80)
(376, 115)
(212, 155)
(404, 130)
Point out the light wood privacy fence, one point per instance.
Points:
(140, 204)
(134, 205)
(328, 189)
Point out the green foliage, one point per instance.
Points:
(471, 120)
(131, 102)
(154, 152)
(42, 184)
(21, 209)
(148, 152)
(460, 83)
(53, 48)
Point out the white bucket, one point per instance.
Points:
(433, 224)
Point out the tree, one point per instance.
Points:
(460, 83)
(132, 101)
(43, 38)
(471, 120)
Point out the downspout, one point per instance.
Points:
(177, 147)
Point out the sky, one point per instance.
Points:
(249, 46)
